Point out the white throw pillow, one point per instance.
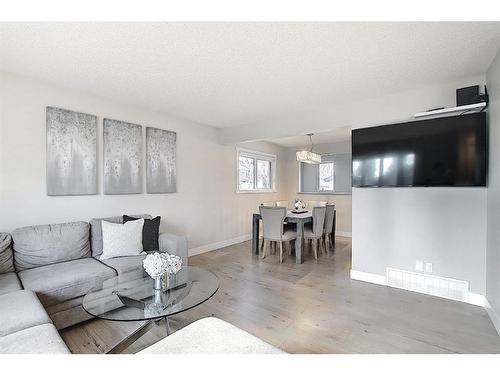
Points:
(119, 240)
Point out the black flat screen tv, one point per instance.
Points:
(448, 151)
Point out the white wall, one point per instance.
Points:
(493, 242)
(206, 207)
(342, 202)
(393, 227)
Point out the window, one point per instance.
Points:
(247, 166)
(326, 177)
(331, 176)
(263, 174)
(256, 171)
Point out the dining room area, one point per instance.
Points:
(291, 228)
(316, 199)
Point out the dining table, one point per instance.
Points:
(297, 218)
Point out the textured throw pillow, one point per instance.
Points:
(119, 240)
(96, 231)
(150, 232)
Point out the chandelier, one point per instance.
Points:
(309, 157)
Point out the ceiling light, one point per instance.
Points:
(309, 157)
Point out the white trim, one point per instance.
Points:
(474, 298)
(368, 277)
(261, 191)
(218, 245)
(253, 152)
(495, 318)
(341, 233)
(477, 299)
(452, 109)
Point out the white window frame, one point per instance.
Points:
(256, 155)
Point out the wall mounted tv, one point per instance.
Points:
(448, 151)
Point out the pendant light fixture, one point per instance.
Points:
(309, 157)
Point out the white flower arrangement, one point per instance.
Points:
(157, 264)
(299, 204)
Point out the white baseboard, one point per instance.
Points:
(474, 298)
(341, 233)
(369, 277)
(218, 245)
(477, 299)
(495, 318)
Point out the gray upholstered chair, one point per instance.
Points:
(268, 204)
(328, 228)
(315, 231)
(311, 204)
(273, 219)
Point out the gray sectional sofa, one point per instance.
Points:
(45, 271)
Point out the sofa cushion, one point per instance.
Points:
(9, 283)
(6, 258)
(41, 245)
(20, 310)
(211, 336)
(96, 231)
(60, 282)
(126, 264)
(121, 240)
(42, 339)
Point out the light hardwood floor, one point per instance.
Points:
(313, 307)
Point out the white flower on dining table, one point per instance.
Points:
(299, 204)
(157, 264)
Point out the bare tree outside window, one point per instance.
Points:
(255, 171)
(263, 174)
(246, 175)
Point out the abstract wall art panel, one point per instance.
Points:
(71, 152)
(160, 161)
(122, 145)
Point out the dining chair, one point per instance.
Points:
(268, 204)
(315, 231)
(273, 219)
(311, 204)
(288, 206)
(328, 228)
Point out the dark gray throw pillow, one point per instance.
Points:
(150, 232)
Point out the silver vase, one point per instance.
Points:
(158, 282)
(162, 282)
(158, 298)
(166, 281)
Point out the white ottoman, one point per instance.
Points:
(211, 336)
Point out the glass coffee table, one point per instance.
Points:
(131, 297)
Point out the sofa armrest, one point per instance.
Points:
(173, 244)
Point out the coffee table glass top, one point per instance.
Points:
(132, 297)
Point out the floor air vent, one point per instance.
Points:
(428, 284)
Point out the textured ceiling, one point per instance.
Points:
(340, 134)
(236, 74)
